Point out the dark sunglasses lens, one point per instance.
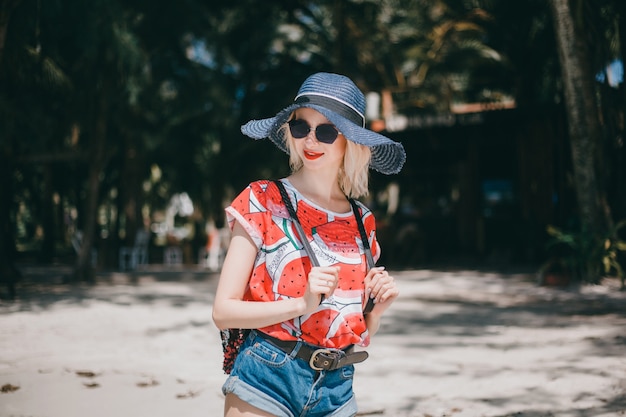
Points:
(299, 128)
(326, 133)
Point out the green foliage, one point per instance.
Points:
(588, 256)
(177, 80)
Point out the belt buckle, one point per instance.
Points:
(314, 357)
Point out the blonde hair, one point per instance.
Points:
(353, 176)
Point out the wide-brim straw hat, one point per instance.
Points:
(343, 104)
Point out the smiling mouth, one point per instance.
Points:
(312, 155)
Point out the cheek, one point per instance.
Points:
(341, 146)
(342, 143)
(294, 145)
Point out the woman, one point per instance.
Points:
(299, 359)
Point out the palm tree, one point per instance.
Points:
(585, 130)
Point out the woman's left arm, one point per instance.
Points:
(380, 286)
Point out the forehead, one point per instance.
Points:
(311, 115)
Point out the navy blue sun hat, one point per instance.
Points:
(343, 104)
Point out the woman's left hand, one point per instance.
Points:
(380, 286)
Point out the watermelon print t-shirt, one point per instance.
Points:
(281, 267)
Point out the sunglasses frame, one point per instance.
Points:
(309, 128)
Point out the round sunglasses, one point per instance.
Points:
(325, 133)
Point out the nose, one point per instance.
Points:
(311, 136)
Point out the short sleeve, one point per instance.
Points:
(250, 210)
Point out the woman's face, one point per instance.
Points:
(316, 154)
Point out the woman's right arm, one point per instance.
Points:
(229, 308)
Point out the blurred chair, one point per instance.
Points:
(173, 255)
(133, 256)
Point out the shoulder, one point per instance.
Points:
(365, 211)
(265, 190)
(252, 195)
(260, 196)
(256, 188)
(367, 216)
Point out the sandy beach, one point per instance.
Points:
(458, 342)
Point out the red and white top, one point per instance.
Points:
(281, 267)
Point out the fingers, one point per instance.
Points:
(323, 280)
(380, 285)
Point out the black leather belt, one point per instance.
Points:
(318, 358)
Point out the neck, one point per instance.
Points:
(320, 187)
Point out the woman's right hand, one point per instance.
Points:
(322, 282)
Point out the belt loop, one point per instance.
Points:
(296, 349)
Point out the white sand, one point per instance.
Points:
(457, 343)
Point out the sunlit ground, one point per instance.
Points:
(456, 343)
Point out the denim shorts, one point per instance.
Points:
(285, 386)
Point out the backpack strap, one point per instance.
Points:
(366, 243)
(366, 246)
(307, 246)
(294, 217)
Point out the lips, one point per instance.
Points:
(310, 155)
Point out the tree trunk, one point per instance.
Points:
(340, 26)
(47, 252)
(84, 270)
(621, 151)
(583, 124)
(9, 274)
(6, 8)
(131, 190)
(621, 7)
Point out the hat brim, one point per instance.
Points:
(388, 156)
